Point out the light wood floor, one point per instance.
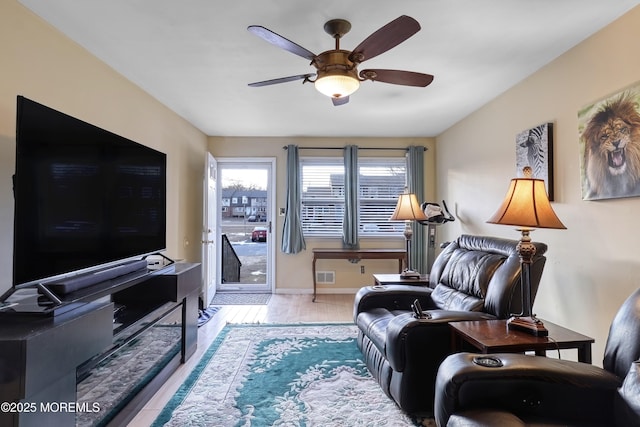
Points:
(281, 309)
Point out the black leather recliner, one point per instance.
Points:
(533, 390)
(473, 278)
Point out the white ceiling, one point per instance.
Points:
(196, 57)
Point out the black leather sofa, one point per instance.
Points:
(473, 278)
(532, 390)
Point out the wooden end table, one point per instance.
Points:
(395, 279)
(492, 336)
(355, 255)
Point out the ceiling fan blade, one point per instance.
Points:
(282, 80)
(387, 37)
(397, 77)
(340, 101)
(281, 42)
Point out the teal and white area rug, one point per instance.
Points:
(283, 375)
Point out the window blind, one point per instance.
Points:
(381, 180)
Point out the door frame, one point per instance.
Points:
(209, 229)
(270, 162)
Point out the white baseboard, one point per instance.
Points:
(321, 291)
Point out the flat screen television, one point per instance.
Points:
(84, 197)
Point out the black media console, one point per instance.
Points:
(52, 360)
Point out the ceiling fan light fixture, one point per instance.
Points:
(337, 83)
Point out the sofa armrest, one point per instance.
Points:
(628, 404)
(423, 339)
(391, 297)
(528, 386)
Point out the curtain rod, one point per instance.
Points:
(359, 148)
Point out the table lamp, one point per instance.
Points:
(527, 207)
(408, 209)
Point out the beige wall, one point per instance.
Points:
(42, 64)
(293, 272)
(593, 265)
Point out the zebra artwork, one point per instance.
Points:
(533, 149)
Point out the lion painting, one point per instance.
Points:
(612, 150)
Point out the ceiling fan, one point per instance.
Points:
(337, 73)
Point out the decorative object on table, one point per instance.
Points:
(609, 132)
(408, 210)
(436, 215)
(304, 374)
(526, 206)
(534, 148)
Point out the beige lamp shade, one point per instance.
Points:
(408, 208)
(526, 205)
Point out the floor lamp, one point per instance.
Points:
(408, 209)
(527, 207)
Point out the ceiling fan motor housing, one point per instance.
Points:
(332, 66)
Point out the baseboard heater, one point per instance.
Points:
(71, 284)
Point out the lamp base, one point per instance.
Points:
(530, 325)
(409, 274)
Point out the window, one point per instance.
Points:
(322, 196)
(380, 183)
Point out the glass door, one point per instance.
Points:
(246, 211)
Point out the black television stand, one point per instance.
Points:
(54, 358)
